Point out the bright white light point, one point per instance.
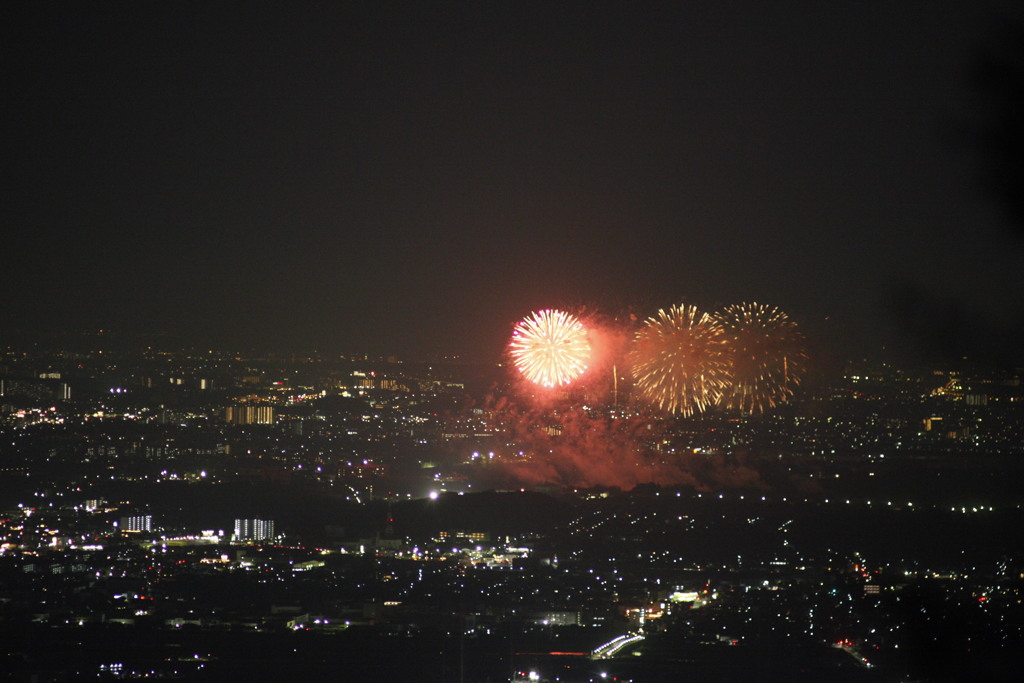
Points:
(433, 495)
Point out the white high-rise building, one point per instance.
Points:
(254, 530)
(137, 523)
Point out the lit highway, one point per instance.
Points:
(615, 645)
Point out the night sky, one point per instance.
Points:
(412, 178)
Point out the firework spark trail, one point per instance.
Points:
(679, 360)
(767, 356)
(550, 348)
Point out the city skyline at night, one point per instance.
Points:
(204, 515)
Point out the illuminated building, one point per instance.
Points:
(253, 530)
(44, 389)
(137, 523)
(249, 415)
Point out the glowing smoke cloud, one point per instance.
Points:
(572, 446)
(550, 348)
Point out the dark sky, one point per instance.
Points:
(414, 177)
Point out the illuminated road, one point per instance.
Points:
(849, 649)
(613, 646)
